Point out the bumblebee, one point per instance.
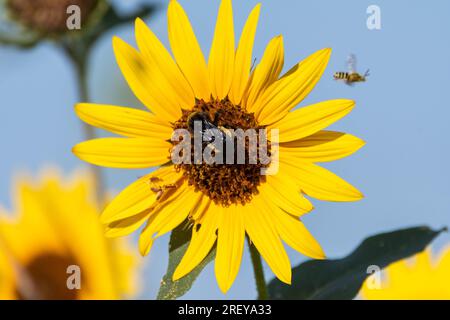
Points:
(352, 76)
(208, 126)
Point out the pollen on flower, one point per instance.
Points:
(225, 184)
(48, 16)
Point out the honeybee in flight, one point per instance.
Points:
(352, 76)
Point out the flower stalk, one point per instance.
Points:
(261, 287)
(79, 61)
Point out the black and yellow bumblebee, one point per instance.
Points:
(208, 126)
(352, 76)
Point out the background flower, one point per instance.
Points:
(56, 225)
(25, 23)
(426, 276)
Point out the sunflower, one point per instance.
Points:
(422, 277)
(55, 235)
(224, 202)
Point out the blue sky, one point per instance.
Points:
(402, 113)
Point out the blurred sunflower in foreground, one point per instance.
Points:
(57, 226)
(223, 202)
(423, 277)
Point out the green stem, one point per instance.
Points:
(80, 65)
(259, 272)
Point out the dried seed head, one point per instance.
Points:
(48, 16)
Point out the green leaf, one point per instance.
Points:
(342, 278)
(179, 242)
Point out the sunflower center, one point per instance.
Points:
(48, 16)
(230, 182)
(46, 278)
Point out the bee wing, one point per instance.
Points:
(351, 63)
(209, 130)
(227, 133)
(350, 84)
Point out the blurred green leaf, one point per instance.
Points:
(342, 278)
(179, 242)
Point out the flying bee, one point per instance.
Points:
(208, 126)
(352, 76)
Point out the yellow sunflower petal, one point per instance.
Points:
(139, 195)
(261, 230)
(198, 212)
(322, 146)
(311, 119)
(320, 183)
(230, 246)
(243, 59)
(444, 261)
(166, 217)
(295, 234)
(146, 238)
(201, 243)
(134, 199)
(285, 193)
(32, 207)
(292, 88)
(124, 152)
(221, 57)
(176, 212)
(148, 86)
(124, 121)
(187, 51)
(126, 226)
(8, 287)
(163, 65)
(266, 73)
